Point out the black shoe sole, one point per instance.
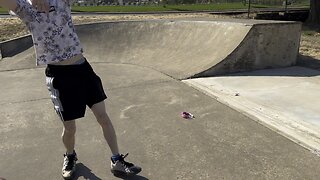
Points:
(121, 173)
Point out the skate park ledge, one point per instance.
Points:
(186, 48)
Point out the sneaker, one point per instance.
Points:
(121, 167)
(69, 165)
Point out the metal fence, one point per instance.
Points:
(291, 3)
(280, 4)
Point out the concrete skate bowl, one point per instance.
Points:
(193, 48)
(183, 49)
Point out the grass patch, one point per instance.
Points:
(155, 8)
(3, 11)
(310, 30)
(308, 33)
(180, 7)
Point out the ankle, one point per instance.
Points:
(69, 153)
(116, 157)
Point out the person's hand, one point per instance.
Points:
(41, 5)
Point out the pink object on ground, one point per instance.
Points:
(187, 115)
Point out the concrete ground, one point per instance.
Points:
(144, 104)
(283, 99)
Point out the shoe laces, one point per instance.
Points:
(125, 163)
(69, 161)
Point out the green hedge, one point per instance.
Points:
(3, 11)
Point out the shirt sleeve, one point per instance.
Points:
(65, 2)
(25, 11)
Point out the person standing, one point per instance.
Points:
(71, 81)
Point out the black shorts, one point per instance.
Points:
(72, 88)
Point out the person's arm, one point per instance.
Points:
(22, 8)
(66, 2)
(8, 4)
(41, 5)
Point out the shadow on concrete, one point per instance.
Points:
(136, 177)
(13, 47)
(308, 62)
(85, 172)
(289, 16)
(305, 67)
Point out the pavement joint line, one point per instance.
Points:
(140, 84)
(111, 89)
(136, 65)
(20, 69)
(25, 101)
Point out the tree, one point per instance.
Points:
(314, 15)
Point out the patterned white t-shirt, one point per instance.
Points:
(53, 34)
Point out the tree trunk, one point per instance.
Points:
(314, 15)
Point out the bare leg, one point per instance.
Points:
(68, 135)
(103, 119)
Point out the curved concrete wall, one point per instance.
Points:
(185, 48)
(188, 48)
(265, 46)
(177, 48)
